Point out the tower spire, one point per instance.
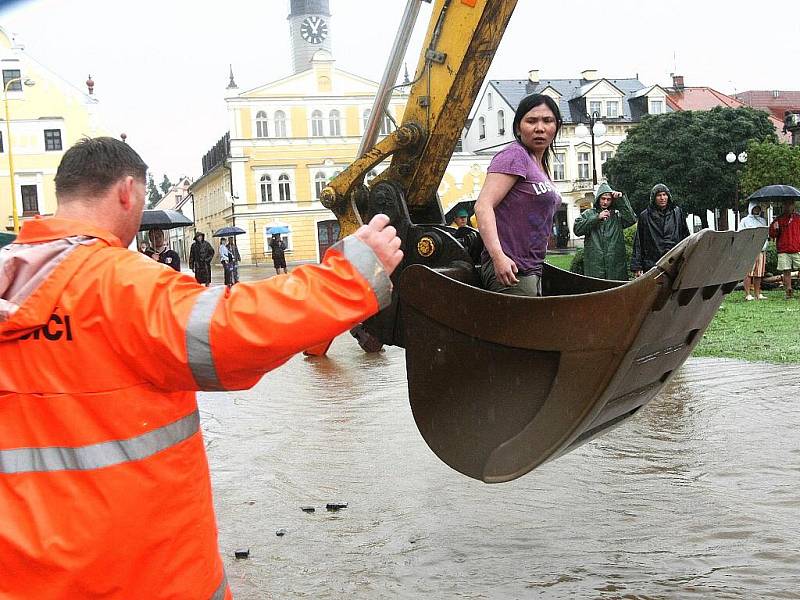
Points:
(232, 84)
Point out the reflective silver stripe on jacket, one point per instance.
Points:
(198, 339)
(219, 594)
(364, 260)
(97, 456)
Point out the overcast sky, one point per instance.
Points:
(161, 67)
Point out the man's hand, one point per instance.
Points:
(382, 239)
(604, 214)
(616, 195)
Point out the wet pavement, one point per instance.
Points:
(695, 497)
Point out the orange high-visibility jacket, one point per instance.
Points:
(104, 484)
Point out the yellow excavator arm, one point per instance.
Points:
(461, 41)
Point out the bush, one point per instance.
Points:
(577, 262)
(772, 259)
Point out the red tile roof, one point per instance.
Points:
(775, 101)
(706, 98)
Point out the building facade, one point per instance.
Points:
(46, 116)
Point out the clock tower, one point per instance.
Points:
(310, 30)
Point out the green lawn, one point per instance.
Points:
(760, 330)
(562, 261)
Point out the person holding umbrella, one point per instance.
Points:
(161, 252)
(200, 255)
(278, 247)
(785, 229)
(752, 281)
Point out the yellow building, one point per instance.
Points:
(47, 115)
(287, 139)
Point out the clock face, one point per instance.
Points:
(314, 30)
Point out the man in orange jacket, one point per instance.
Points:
(104, 484)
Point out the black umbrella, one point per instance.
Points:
(468, 205)
(228, 231)
(163, 219)
(775, 192)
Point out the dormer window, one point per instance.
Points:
(612, 109)
(595, 106)
(656, 107)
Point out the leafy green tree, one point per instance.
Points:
(686, 151)
(165, 185)
(153, 195)
(769, 163)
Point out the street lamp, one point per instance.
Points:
(736, 160)
(596, 128)
(14, 213)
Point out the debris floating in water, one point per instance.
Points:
(281, 532)
(308, 509)
(335, 505)
(242, 553)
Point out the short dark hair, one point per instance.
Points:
(93, 165)
(525, 105)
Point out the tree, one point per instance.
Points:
(686, 151)
(165, 185)
(153, 195)
(769, 163)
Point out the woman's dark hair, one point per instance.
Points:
(93, 165)
(525, 105)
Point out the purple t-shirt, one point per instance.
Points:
(525, 216)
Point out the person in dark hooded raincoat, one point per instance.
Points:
(200, 256)
(604, 241)
(659, 229)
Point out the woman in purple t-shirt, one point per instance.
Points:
(516, 205)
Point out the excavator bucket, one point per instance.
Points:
(501, 384)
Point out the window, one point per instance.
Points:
(595, 106)
(280, 124)
(1, 142)
(367, 113)
(262, 124)
(11, 75)
(489, 101)
(265, 183)
(320, 181)
(335, 125)
(501, 122)
(612, 108)
(30, 200)
(605, 155)
(386, 125)
(583, 165)
(558, 166)
(316, 124)
(656, 107)
(481, 128)
(52, 139)
(284, 191)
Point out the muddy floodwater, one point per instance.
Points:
(697, 497)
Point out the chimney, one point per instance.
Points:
(533, 76)
(589, 74)
(677, 82)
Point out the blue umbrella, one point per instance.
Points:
(228, 231)
(277, 229)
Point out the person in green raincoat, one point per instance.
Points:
(602, 227)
